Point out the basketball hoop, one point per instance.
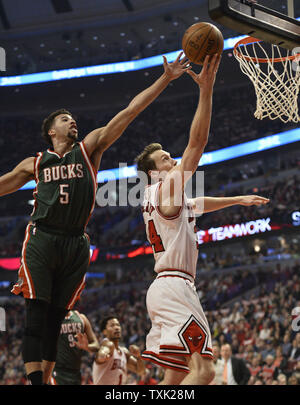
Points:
(276, 78)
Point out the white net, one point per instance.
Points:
(276, 79)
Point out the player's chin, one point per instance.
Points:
(73, 135)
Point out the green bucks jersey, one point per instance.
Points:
(68, 355)
(65, 189)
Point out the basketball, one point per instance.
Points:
(202, 39)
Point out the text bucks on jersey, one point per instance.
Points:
(65, 189)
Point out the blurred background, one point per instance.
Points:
(248, 282)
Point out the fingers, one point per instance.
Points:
(206, 62)
(214, 63)
(257, 200)
(192, 74)
(179, 56)
(184, 60)
(217, 63)
(262, 200)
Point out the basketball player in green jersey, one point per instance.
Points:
(55, 253)
(76, 337)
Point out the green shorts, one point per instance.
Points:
(65, 377)
(53, 267)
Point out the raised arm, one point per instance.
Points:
(209, 204)
(199, 131)
(100, 139)
(173, 184)
(87, 340)
(20, 175)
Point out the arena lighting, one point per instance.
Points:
(4, 284)
(235, 231)
(95, 275)
(109, 68)
(208, 158)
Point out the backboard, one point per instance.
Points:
(272, 21)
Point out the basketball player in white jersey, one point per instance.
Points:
(180, 339)
(112, 361)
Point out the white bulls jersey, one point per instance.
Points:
(113, 371)
(173, 239)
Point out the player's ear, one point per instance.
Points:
(51, 132)
(154, 174)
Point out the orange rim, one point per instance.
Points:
(250, 40)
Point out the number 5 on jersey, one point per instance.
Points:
(64, 193)
(155, 239)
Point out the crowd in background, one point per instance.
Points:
(258, 327)
(165, 121)
(105, 233)
(159, 125)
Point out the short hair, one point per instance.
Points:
(144, 162)
(47, 124)
(105, 320)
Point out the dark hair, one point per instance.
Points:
(144, 161)
(47, 123)
(105, 320)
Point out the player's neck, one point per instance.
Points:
(62, 147)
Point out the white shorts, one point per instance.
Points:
(179, 325)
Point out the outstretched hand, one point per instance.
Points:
(206, 78)
(177, 68)
(82, 341)
(248, 200)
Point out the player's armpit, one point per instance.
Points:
(93, 140)
(20, 175)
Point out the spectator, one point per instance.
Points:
(255, 368)
(296, 371)
(259, 381)
(235, 371)
(265, 332)
(218, 364)
(280, 361)
(294, 353)
(269, 368)
(293, 380)
(287, 345)
(268, 349)
(282, 380)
